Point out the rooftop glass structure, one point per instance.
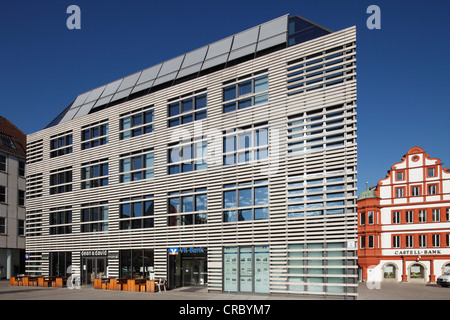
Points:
(270, 36)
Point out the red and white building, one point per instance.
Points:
(404, 222)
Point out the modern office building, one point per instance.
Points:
(404, 222)
(12, 199)
(232, 166)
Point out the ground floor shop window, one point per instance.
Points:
(389, 271)
(59, 263)
(136, 263)
(417, 271)
(246, 269)
(319, 268)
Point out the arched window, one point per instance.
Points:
(389, 271)
(417, 271)
(446, 268)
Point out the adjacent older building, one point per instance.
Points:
(12, 199)
(404, 222)
(232, 166)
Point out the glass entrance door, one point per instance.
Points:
(194, 272)
(93, 268)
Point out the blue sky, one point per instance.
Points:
(403, 68)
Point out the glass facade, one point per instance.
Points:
(246, 269)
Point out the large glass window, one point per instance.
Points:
(316, 267)
(137, 165)
(61, 220)
(61, 180)
(188, 156)
(136, 123)
(186, 109)
(136, 212)
(316, 130)
(187, 207)
(94, 217)
(61, 144)
(246, 201)
(94, 174)
(137, 263)
(246, 269)
(240, 94)
(246, 145)
(94, 135)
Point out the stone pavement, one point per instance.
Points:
(385, 291)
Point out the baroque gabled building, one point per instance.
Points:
(404, 222)
(232, 166)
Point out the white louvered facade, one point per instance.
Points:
(311, 119)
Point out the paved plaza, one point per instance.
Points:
(383, 291)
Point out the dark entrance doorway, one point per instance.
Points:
(93, 268)
(188, 268)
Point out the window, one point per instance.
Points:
(448, 214)
(95, 217)
(245, 145)
(240, 94)
(21, 197)
(138, 165)
(21, 168)
(362, 242)
(246, 201)
(61, 220)
(396, 241)
(371, 243)
(409, 216)
(2, 194)
(2, 225)
(400, 175)
(94, 135)
(432, 189)
(422, 215)
(2, 163)
(61, 180)
(422, 240)
(137, 213)
(415, 191)
(431, 172)
(20, 227)
(396, 217)
(188, 155)
(315, 130)
(399, 192)
(188, 108)
(370, 217)
(436, 215)
(188, 207)
(94, 174)
(409, 241)
(136, 123)
(436, 240)
(61, 144)
(7, 142)
(362, 218)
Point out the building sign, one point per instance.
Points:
(94, 253)
(176, 251)
(416, 252)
